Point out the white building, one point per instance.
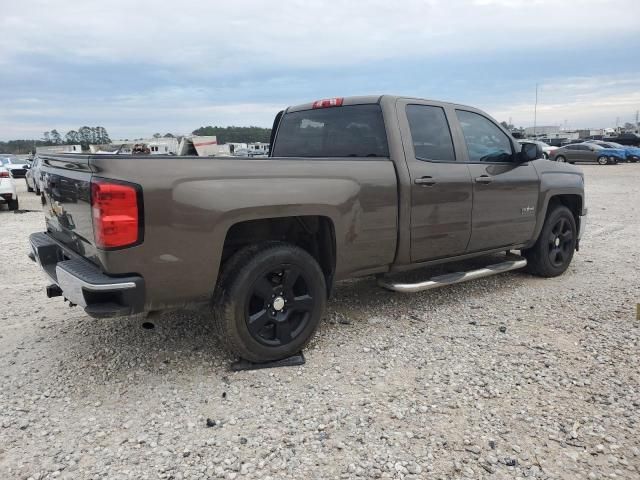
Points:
(258, 148)
(542, 131)
(60, 149)
(162, 146)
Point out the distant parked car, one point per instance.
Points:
(33, 176)
(17, 168)
(546, 148)
(631, 139)
(589, 153)
(8, 193)
(633, 153)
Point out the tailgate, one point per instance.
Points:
(66, 191)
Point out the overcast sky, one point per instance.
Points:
(151, 66)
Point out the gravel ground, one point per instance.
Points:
(505, 377)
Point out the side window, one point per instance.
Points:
(430, 133)
(485, 141)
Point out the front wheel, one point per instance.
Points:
(29, 188)
(269, 301)
(602, 160)
(561, 159)
(552, 253)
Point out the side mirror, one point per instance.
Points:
(530, 151)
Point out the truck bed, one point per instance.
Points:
(190, 203)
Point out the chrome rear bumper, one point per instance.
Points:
(82, 283)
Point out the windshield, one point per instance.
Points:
(5, 161)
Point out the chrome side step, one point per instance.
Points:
(515, 263)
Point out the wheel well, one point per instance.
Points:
(315, 234)
(572, 202)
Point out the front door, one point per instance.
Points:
(441, 191)
(505, 191)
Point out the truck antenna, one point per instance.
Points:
(535, 113)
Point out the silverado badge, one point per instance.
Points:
(527, 210)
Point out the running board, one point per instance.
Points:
(452, 278)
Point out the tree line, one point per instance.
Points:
(84, 136)
(236, 134)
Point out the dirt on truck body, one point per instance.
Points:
(354, 186)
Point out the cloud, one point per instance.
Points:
(214, 36)
(580, 102)
(145, 66)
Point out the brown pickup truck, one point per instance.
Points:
(353, 187)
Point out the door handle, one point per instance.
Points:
(484, 179)
(426, 181)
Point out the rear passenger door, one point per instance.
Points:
(441, 191)
(505, 191)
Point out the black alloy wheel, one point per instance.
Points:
(269, 300)
(561, 242)
(553, 251)
(279, 306)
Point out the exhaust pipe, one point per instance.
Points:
(54, 290)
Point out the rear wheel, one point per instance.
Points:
(560, 158)
(269, 301)
(551, 255)
(13, 204)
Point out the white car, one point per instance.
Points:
(17, 168)
(546, 148)
(8, 193)
(33, 176)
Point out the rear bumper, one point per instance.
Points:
(83, 284)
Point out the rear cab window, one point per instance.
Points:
(346, 131)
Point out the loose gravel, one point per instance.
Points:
(506, 377)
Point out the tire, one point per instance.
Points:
(269, 301)
(545, 155)
(561, 159)
(551, 255)
(29, 189)
(13, 204)
(603, 160)
(38, 190)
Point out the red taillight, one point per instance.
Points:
(116, 214)
(4, 174)
(328, 102)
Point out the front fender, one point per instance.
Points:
(557, 179)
